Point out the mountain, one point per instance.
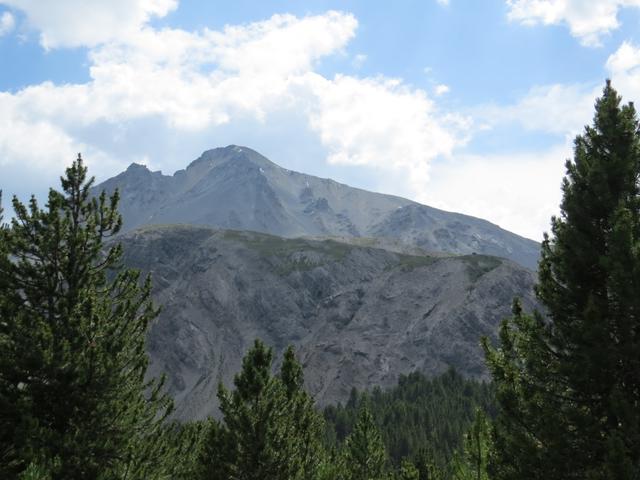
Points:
(237, 188)
(358, 316)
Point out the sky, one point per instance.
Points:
(465, 105)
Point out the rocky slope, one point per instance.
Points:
(237, 188)
(359, 316)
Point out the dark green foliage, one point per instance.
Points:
(569, 381)
(180, 449)
(365, 455)
(332, 467)
(427, 469)
(73, 400)
(470, 463)
(422, 419)
(407, 471)
(291, 373)
(269, 430)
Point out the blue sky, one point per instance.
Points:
(464, 105)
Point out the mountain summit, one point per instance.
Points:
(237, 188)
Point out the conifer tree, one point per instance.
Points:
(72, 343)
(471, 463)
(332, 466)
(568, 379)
(427, 469)
(407, 471)
(307, 423)
(8, 400)
(269, 430)
(366, 456)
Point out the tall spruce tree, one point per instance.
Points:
(568, 379)
(471, 462)
(7, 396)
(73, 322)
(407, 471)
(366, 456)
(307, 424)
(269, 429)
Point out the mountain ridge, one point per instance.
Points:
(235, 187)
(358, 316)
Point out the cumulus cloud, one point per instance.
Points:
(180, 84)
(441, 89)
(624, 68)
(76, 23)
(29, 140)
(517, 191)
(529, 179)
(36, 145)
(563, 109)
(587, 20)
(381, 123)
(190, 80)
(560, 109)
(7, 23)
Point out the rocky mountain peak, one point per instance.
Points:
(137, 167)
(233, 154)
(236, 187)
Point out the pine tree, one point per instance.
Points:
(427, 469)
(407, 471)
(366, 456)
(569, 379)
(269, 430)
(307, 423)
(8, 396)
(471, 463)
(332, 466)
(72, 343)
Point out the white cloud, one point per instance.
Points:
(444, 3)
(7, 23)
(625, 59)
(32, 148)
(588, 20)
(75, 23)
(26, 140)
(519, 192)
(383, 124)
(624, 68)
(564, 109)
(528, 179)
(192, 80)
(556, 109)
(194, 83)
(441, 89)
(359, 60)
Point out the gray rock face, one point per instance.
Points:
(358, 316)
(237, 188)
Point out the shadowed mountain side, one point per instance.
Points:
(237, 188)
(359, 316)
